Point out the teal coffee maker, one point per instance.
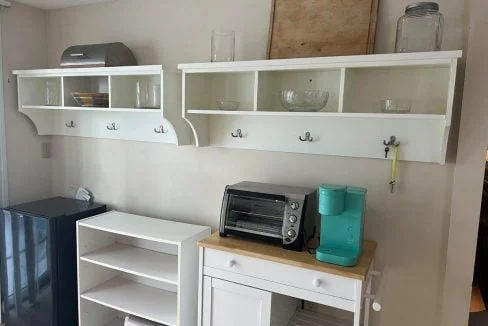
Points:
(341, 231)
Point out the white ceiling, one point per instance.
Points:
(56, 4)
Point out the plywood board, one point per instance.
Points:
(317, 28)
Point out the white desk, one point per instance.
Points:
(258, 284)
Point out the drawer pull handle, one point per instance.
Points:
(231, 263)
(317, 283)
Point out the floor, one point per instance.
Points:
(478, 315)
(477, 304)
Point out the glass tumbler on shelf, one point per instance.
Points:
(420, 29)
(142, 94)
(223, 45)
(156, 96)
(52, 93)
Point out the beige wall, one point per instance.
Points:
(23, 32)
(186, 183)
(468, 176)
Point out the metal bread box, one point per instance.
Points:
(98, 55)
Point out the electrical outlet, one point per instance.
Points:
(46, 150)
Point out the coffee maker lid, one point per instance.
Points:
(357, 190)
(332, 190)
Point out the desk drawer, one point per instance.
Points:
(306, 279)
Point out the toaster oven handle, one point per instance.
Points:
(259, 195)
(78, 55)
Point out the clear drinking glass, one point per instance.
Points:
(156, 96)
(148, 95)
(223, 45)
(420, 29)
(52, 93)
(142, 94)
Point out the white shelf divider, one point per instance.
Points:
(342, 87)
(138, 265)
(136, 299)
(110, 93)
(137, 261)
(256, 91)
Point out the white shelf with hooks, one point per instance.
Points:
(351, 124)
(119, 120)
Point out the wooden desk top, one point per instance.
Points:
(301, 259)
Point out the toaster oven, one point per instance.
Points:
(276, 213)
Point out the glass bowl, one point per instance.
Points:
(303, 101)
(396, 106)
(225, 105)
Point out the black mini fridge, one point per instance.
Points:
(38, 261)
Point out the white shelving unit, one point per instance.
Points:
(130, 264)
(162, 124)
(351, 124)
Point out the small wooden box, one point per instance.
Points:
(318, 28)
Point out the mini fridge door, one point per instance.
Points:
(26, 267)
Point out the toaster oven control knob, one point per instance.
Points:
(293, 219)
(291, 233)
(294, 205)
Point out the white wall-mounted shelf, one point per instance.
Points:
(351, 124)
(130, 264)
(163, 124)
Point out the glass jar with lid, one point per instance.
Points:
(420, 29)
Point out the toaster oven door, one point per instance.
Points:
(255, 213)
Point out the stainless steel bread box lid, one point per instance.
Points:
(98, 55)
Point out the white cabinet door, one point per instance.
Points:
(230, 304)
